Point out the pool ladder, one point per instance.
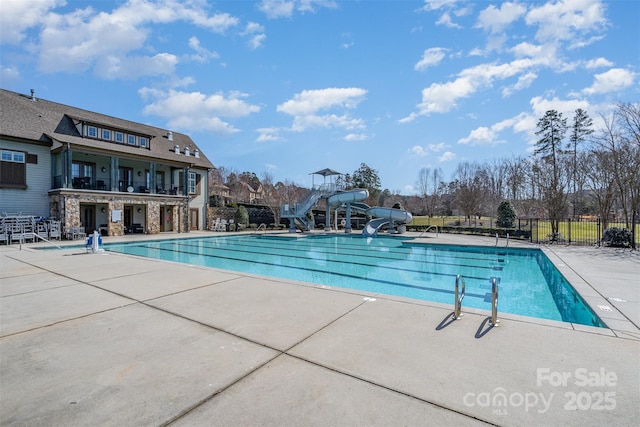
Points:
(459, 296)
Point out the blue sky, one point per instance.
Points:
(291, 87)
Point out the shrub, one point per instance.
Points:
(506, 215)
(242, 216)
(617, 237)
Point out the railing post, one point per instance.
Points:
(569, 231)
(457, 304)
(494, 303)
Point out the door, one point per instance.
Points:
(166, 218)
(193, 219)
(128, 217)
(88, 218)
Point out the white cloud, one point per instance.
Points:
(302, 123)
(275, 9)
(268, 134)
(256, 35)
(497, 20)
(85, 39)
(418, 150)
(598, 63)
(445, 19)
(311, 101)
(202, 54)
(194, 111)
(479, 136)
(436, 148)
(114, 67)
(356, 137)
(446, 157)
(430, 57)
(9, 75)
(524, 81)
(20, 15)
(613, 80)
(566, 19)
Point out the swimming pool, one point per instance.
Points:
(529, 283)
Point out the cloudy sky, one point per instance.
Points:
(294, 86)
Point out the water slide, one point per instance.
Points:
(348, 197)
(384, 216)
(357, 195)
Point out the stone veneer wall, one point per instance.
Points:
(66, 207)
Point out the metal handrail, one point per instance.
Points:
(494, 303)
(427, 229)
(457, 304)
(261, 226)
(48, 241)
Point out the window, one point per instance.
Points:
(82, 175)
(131, 139)
(119, 137)
(144, 142)
(106, 134)
(13, 170)
(92, 131)
(192, 183)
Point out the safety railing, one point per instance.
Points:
(494, 303)
(459, 296)
(263, 225)
(429, 228)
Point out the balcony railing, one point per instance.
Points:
(138, 187)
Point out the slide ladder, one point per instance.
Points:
(298, 212)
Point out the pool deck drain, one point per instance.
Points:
(111, 339)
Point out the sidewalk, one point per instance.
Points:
(110, 339)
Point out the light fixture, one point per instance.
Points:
(103, 210)
(139, 173)
(104, 169)
(139, 210)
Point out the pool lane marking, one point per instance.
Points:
(425, 288)
(255, 251)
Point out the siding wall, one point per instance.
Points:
(34, 200)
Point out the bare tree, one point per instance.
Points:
(628, 117)
(428, 184)
(468, 188)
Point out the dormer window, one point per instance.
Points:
(131, 139)
(92, 131)
(106, 134)
(118, 137)
(144, 141)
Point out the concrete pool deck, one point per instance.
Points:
(111, 339)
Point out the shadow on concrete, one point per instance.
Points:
(483, 329)
(446, 321)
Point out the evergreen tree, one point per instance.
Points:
(580, 130)
(506, 215)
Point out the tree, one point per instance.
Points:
(580, 130)
(468, 193)
(628, 118)
(242, 216)
(428, 184)
(551, 129)
(365, 177)
(506, 215)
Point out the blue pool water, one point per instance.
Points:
(529, 283)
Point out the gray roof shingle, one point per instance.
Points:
(45, 121)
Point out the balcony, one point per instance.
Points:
(104, 185)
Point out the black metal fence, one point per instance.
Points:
(583, 232)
